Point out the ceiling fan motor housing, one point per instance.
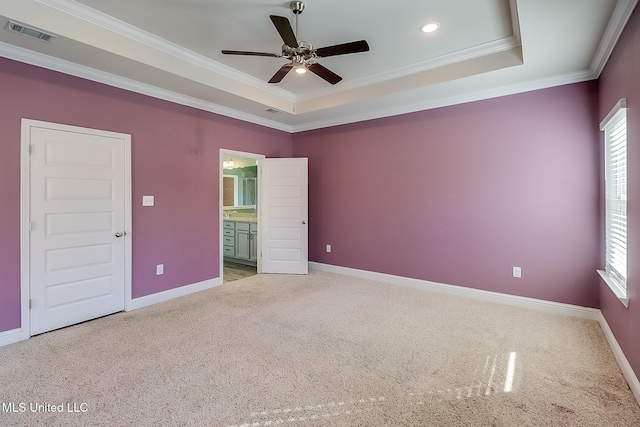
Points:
(304, 52)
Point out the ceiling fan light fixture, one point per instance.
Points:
(430, 27)
(301, 69)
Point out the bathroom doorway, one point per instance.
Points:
(239, 204)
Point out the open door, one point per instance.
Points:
(284, 236)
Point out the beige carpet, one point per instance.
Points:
(319, 350)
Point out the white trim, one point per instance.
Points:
(620, 105)
(170, 294)
(496, 297)
(10, 337)
(114, 25)
(618, 291)
(621, 14)
(51, 63)
(25, 211)
(457, 57)
(223, 152)
(25, 215)
(439, 102)
(625, 367)
(461, 291)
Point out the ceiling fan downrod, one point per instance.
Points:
(296, 7)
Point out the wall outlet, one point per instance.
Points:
(517, 272)
(159, 269)
(148, 201)
(328, 248)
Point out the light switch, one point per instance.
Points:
(147, 201)
(517, 272)
(159, 269)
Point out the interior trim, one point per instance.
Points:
(10, 336)
(25, 212)
(618, 21)
(81, 71)
(500, 298)
(170, 294)
(461, 291)
(625, 367)
(88, 73)
(235, 153)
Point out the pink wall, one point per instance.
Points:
(462, 194)
(620, 79)
(175, 155)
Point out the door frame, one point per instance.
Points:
(25, 212)
(223, 152)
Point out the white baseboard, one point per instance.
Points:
(170, 294)
(625, 367)
(532, 303)
(461, 291)
(10, 337)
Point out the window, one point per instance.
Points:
(615, 153)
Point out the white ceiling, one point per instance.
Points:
(170, 49)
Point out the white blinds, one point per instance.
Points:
(615, 140)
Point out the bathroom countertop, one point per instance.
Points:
(238, 218)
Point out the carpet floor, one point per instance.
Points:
(318, 350)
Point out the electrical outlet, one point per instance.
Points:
(328, 248)
(517, 272)
(159, 269)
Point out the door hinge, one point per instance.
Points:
(30, 226)
(30, 304)
(30, 149)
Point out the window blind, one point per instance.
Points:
(615, 137)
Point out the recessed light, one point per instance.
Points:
(430, 27)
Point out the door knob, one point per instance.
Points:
(304, 222)
(120, 233)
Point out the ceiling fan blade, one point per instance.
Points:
(342, 49)
(325, 73)
(283, 26)
(277, 77)
(242, 52)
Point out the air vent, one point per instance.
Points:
(272, 111)
(30, 32)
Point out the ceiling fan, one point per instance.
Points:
(301, 54)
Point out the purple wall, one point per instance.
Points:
(620, 79)
(175, 157)
(462, 194)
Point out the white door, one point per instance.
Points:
(77, 214)
(284, 235)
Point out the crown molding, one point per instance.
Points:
(513, 89)
(66, 67)
(484, 49)
(55, 64)
(463, 55)
(619, 18)
(109, 23)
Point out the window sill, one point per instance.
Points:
(620, 293)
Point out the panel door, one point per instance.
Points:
(283, 203)
(77, 207)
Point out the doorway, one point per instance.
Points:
(239, 204)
